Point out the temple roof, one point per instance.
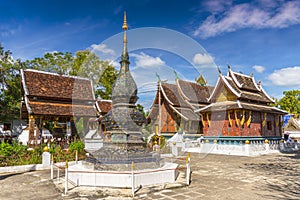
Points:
(292, 125)
(103, 106)
(182, 97)
(244, 82)
(55, 86)
(193, 92)
(242, 86)
(172, 95)
(56, 95)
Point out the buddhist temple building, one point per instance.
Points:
(57, 98)
(239, 107)
(174, 106)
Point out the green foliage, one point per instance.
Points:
(9, 86)
(76, 145)
(106, 81)
(159, 139)
(290, 102)
(79, 127)
(17, 154)
(6, 149)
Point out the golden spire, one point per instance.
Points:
(125, 27)
(125, 57)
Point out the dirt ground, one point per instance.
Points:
(274, 176)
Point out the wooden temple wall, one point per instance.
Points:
(217, 124)
(168, 123)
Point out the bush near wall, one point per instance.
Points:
(17, 154)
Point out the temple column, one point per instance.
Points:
(73, 127)
(31, 125)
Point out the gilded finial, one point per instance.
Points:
(125, 27)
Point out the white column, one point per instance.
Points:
(132, 179)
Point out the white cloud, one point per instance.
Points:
(286, 76)
(258, 68)
(145, 61)
(103, 49)
(203, 59)
(217, 5)
(250, 16)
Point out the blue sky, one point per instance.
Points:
(191, 37)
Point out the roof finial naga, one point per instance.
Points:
(176, 75)
(219, 70)
(158, 77)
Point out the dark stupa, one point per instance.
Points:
(123, 140)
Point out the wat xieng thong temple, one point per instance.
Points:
(236, 108)
(239, 107)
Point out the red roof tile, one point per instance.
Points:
(194, 92)
(104, 106)
(49, 85)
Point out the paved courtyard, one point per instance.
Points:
(273, 176)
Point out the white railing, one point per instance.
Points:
(134, 179)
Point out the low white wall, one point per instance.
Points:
(86, 177)
(228, 149)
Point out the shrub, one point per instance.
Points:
(76, 145)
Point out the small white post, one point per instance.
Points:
(51, 167)
(281, 145)
(247, 148)
(267, 146)
(188, 169)
(132, 179)
(66, 177)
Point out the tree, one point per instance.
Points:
(56, 62)
(9, 86)
(290, 102)
(106, 81)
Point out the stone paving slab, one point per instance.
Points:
(274, 176)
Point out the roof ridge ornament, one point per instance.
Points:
(201, 80)
(176, 75)
(219, 70)
(158, 77)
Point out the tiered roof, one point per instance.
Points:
(182, 98)
(243, 92)
(52, 94)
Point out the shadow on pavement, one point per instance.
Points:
(2, 177)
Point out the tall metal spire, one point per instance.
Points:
(125, 58)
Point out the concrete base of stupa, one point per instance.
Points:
(84, 174)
